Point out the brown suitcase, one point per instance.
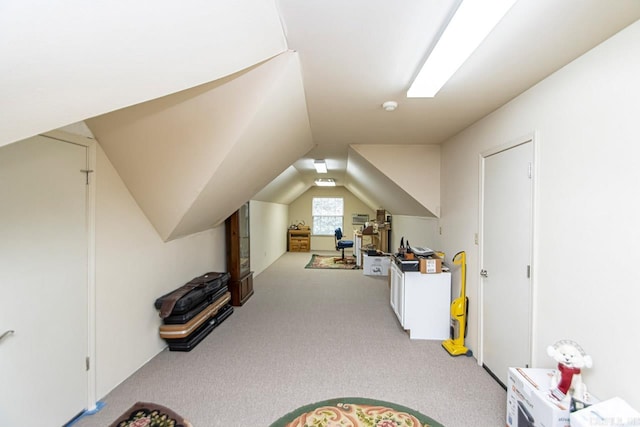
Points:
(190, 342)
(184, 330)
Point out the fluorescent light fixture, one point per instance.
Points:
(472, 22)
(320, 165)
(325, 182)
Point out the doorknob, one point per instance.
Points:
(484, 273)
(9, 332)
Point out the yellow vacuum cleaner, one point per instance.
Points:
(459, 311)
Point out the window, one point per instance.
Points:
(327, 214)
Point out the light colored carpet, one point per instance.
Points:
(305, 336)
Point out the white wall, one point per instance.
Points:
(268, 231)
(420, 231)
(586, 283)
(134, 267)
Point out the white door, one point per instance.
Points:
(506, 259)
(43, 282)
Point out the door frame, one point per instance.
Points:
(533, 138)
(90, 144)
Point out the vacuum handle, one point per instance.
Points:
(9, 332)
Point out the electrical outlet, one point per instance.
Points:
(475, 238)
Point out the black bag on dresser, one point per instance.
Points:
(174, 319)
(183, 302)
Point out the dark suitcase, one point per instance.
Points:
(191, 294)
(188, 343)
(183, 330)
(175, 319)
(223, 313)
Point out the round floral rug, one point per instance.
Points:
(355, 412)
(145, 414)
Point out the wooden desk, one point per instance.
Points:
(299, 240)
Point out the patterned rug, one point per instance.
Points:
(144, 414)
(323, 261)
(355, 412)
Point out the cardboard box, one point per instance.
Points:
(431, 265)
(529, 403)
(612, 412)
(376, 265)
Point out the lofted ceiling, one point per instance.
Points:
(234, 100)
(356, 55)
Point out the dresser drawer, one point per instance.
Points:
(299, 242)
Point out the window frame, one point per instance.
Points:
(326, 232)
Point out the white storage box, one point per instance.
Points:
(612, 412)
(376, 265)
(528, 401)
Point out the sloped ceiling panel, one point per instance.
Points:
(414, 168)
(233, 135)
(166, 150)
(377, 191)
(284, 189)
(277, 134)
(63, 62)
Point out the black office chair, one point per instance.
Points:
(341, 244)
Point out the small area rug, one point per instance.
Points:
(323, 261)
(145, 414)
(355, 412)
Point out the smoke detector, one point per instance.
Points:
(390, 105)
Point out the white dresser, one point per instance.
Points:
(421, 302)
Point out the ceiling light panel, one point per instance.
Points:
(325, 182)
(472, 22)
(320, 165)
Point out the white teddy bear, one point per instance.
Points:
(567, 380)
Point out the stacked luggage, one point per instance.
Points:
(193, 310)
